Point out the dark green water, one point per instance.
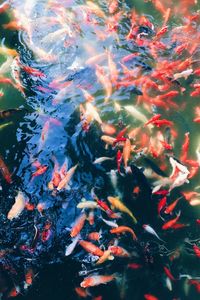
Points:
(56, 275)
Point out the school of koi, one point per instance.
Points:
(159, 66)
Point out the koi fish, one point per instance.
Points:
(112, 68)
(94, 236)
(91, 110)
(78, 225)
(126, 152)
(154, 118)
(13, 25)
(150, 297)
(162, 204)
(122, 229)
(81, 292)
(195, 283)
(119, 251)
(91, 248)
(159, 123)
(116, 203)
(119, 160)
(108, 139)
(185, 147)
(7, 51)
(41, 170)
(150, 230)
(134, 266)
(17, 207)
(97, 280)
(196, 250)
(105, 81)
(105, 208)
(65, 181)
(112, 6)
(170, 223)
(4, 114)
(4, 171)
(106, 256)
(14, 292)
(5, 125)
(110, 223)
(108, 129)
(32, 71)
(185, 74)
(4, 6)
(166, 145)
(169, 209)
(29, 277)
(70, 248)
(87, 204)
(136, 113)
(168, 273)
(101, 159)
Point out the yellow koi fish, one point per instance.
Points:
(116, 203)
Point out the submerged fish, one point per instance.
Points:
(116, 203)
(17, 207)
(96, 280)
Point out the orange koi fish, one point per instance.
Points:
(126, 152)
(41, 170)
(91, 248)
(170, 223)
(13, 25)
(122, 229)
(78, 225)
(169, 209)
(185, 147)
(94, 236)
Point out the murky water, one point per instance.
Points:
(69, 43)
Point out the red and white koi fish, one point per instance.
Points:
(97, 280)
(168, 273)
(119, 251)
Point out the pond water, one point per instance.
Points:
(104, 128)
